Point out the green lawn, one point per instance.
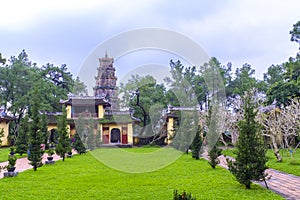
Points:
(287, 165)
(4, 152)
(84, 177)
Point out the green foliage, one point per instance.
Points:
(213, 154)
(84, 177)
(286, 165)
(251, 157)
(35, 135)
(91, 135)
(98, 139)
(295, 33)
(50, 152)
(141, 94)
(2, 60)
(182, 196)
(44, 130)
(186, 132)
(63, 135)
(22, 139)
(78, 144)
(12, 159)
(16, 81)
(196, 144)
(79, 88)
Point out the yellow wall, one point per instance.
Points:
(100, 111)
(170, 129)
(5, 126)
(50, 127)
(68, 108)
(130, 133)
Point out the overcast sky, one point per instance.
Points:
(56, 31)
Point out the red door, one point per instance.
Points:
(124, 135)
(105, 135)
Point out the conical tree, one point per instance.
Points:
(35, 135)
(213, 154)
(44, 130)
(213, 137)
(196, 144)
(78, 144)
(63, 135)
(91, 139)
(22, 139)
(250, 163)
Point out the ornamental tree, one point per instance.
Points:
(63, 135)
(35, 135)
(250, 163)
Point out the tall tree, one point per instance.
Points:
(289, 85)
(22, 139)
(79, 88)
(295, 33)
(244, 80)
(2, 60)
(197, 143)
(16, 81)
(63, 135)
(142, 94)
(250, 163)
(35, 136)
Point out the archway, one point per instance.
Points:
(115, 135)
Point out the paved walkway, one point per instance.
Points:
(22, 164)
(286, 185)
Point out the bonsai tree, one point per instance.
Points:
(69, 151)
(50, 152)
(12, 150)
(12, 159)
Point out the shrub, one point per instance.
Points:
(182, 196)
(12, 159)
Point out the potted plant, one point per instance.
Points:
(12, 150)
(50, 153)
(12, 159)
(69, 151)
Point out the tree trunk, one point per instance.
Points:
(276, 150)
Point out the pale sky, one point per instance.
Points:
(237, 31)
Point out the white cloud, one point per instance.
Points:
(18, 14)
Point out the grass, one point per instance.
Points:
(4, 152)
(84, 177)
(289, 164)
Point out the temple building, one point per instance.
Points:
(115, 126)
(4, 126)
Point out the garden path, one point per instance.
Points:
(286, 185)
(22, 164)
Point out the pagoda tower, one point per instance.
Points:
(106, 79)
